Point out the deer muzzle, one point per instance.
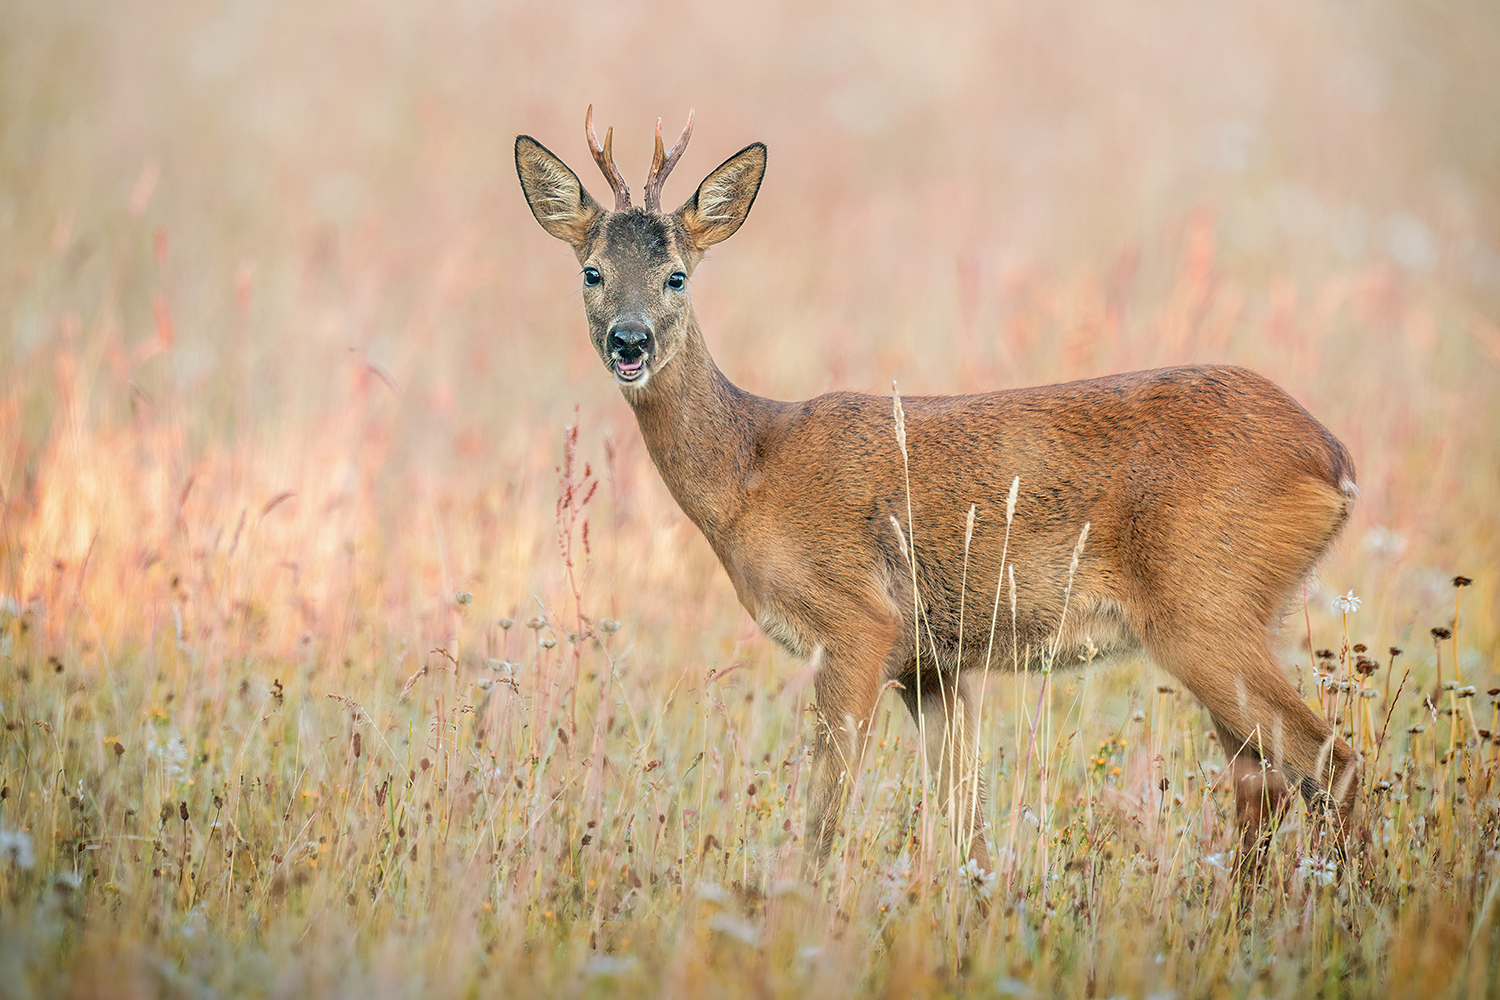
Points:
(629, 344)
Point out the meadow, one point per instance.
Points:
(351, 645)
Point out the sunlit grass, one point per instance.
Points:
(350, 644)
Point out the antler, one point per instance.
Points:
(604, 156)
(662, 164)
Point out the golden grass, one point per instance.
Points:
(284, 377)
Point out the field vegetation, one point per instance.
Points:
(350, 644)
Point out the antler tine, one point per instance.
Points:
(662, 163)
(605, 157)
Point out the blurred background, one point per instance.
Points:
(283, 354)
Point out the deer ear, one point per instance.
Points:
(722, 201)
(557, 198)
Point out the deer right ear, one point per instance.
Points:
(718, 208)
(557, 198)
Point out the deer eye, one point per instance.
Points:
(591, 276)
(677, 281)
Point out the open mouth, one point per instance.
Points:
(630, 369)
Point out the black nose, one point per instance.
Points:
(628, 342)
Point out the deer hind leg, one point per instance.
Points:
(847, 686)
(1275, 742)
(944, 708)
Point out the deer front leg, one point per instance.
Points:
(1261, 797)
(943, 707)
(847, 685)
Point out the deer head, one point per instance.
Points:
(637, 261)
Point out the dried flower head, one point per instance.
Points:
(1461, 581)
(1440, 633)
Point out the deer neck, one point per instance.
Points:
(700, 430)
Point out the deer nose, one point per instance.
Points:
(629, 340)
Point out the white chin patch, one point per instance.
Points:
(637, 381)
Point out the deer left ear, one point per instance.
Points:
(719, 207)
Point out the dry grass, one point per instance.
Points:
(284, 377)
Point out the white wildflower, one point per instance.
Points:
(1321, 870)
(610, 965)
(714, 893)
(1346, 605)
(982, 881)
(737, 928)
(15, 848)
(172, 755)
(1009, 986)
(895, 881)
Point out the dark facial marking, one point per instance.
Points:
(638, 228)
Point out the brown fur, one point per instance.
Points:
(1208, 491)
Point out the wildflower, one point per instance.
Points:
(895, 881)
(1346, 605)
(464, 598)
(506, 623)
(1461, 581)
(608, 626)
(1009, 986)
(15, 847)
(172, 755)
(736, 928)
(982, 881)
(1321, 870)
(714, 893)
(609, 965)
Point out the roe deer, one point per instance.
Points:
(1209, 494)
